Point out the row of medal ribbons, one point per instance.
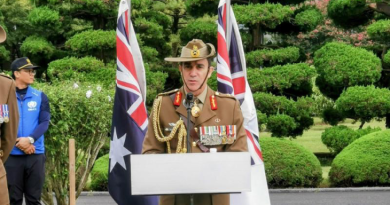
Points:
(217, 135)
(4, 113)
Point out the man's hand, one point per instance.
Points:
(23, 143)
(30, 149)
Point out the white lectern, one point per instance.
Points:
(193, 173)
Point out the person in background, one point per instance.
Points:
(26, 163)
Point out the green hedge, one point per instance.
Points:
(37, 46)
(44, 16)
(340, 66)
(269, 57)
(71, 68)
(281, 125)
(293, 80)
(308, 19)
(364, 103)
(267, 14)
(202, 28)
(379, 30)
(365, 162)
(386, 58)
(99, 174)
(4, 54)
(348, 13)
(338, 137)
(299, 110)
(92, 40)
(288, 164)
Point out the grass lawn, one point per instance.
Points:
(311, 139)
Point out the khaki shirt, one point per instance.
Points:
(228, 112)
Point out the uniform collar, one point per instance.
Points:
(206, 112)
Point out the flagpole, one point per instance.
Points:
(129, 16)
(228, 25)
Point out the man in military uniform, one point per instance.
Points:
(216, 119)
(9, 120)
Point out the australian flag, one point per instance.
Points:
(129, 120)
(231, 75)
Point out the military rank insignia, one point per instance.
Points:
(4, 113)
(213, 103)
(217, 135)
(178, 97)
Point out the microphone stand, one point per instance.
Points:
(189, 104)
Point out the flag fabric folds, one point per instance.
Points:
(130, 120)
(231, 76)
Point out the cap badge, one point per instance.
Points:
(28, 61)
(195, 52)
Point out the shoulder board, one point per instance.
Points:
(223, 95)
(5, 75)
(168, 93)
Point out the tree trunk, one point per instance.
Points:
(257, 36)
(361, 125)
(381, 7)
(175, 25)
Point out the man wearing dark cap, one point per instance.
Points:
(26, 164)
(216, 119)
(9, 120)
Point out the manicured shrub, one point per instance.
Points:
(299, 110)
(340, 66)
(349, 13)
(379, 30)
(99, 174)
(269, 15)
(364, 103)
(332, 116)
(292, 80)
(281, 125)
(288, 164)
(338, 137)
(71, 68)
(386, 58)
(4, 54)
(365, 162)
(198, 8)
(203, 28)
(37, 46)
(269, 57)
(91, 41)
(308, 19)
(44, 16)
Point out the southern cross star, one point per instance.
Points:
(118, 151)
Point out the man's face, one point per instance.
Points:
(194, 73)
(25, 76)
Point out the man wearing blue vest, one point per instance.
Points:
(26, 164)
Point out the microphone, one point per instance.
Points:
(189, 99)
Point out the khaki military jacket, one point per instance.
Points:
(228, 112)
(8, 130)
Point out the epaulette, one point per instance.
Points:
(5, 75)
(168, 93)
(223, 95)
